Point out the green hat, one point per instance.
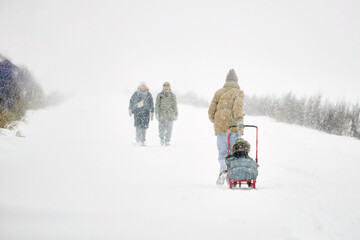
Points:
(241, 143)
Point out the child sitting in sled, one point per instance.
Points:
(240, 165)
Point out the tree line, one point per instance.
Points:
(340, 118)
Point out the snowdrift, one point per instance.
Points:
(78, 175)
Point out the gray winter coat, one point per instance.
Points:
(141, 105)
(241, 168)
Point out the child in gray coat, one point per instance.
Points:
(240, 165)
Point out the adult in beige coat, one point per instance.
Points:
(226, 109)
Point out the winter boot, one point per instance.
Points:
(221, 178)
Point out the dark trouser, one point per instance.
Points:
(140, 134)
(165, 129)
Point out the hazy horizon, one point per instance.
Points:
(306, 47)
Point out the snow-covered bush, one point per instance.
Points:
(18, 92)
(191, 98)
(338, 118)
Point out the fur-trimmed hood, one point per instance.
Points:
(241, 143)
(231, 84)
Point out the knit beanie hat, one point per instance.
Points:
(167, 84)
(231, 76)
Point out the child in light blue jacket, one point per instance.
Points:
(241, 166)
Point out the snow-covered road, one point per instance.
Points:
(78, 175)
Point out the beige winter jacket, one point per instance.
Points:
(226, 108)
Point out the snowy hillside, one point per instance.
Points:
(78, 175)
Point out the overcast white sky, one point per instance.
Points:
(307, 47)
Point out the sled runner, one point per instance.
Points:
(251, 183)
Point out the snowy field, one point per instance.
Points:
(77, 174)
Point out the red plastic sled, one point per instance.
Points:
(252, 182)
